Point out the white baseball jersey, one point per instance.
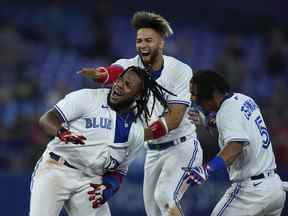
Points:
(239, 119)
(112, 138)
(163, 177)
(174, 76)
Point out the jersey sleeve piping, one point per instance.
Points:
(122, 172)
(179, 102)
(62, 115)
(244, 141)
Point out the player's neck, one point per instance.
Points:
(220, 98)
(124, 110)
(157, 65)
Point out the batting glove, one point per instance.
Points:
(211, 120)
(196, 175)
(197, 117)
(99, 194)
(200, 174)
(66, 136)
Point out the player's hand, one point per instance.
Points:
(174, 212)
(211, 120)
(66, 136)
(196, 175)
(196, 117)
(93, 73)
(99, 194)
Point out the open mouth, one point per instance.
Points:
(116, 93)
(145, 53)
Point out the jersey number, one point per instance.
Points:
(263, 132)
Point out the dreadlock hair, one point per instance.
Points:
(144, 19)
(209, 82)
(149, 86)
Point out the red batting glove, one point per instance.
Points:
(66, 136)
(99, 194)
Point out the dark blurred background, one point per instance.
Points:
(43, 44)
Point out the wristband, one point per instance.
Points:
(113, 180)
(103, 80)
(112, 73)
(159, 128)
(217, 163)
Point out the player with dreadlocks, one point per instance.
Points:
(97, 133)
(172, 139)
(150, 85)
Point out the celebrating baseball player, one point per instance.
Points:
(246, 150)
(98, 132)
(172, 138)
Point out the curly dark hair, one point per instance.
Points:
(150, 86)
(144, 19)
(209, 82)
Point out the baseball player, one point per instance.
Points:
(98, 132)
(172, 140)
(246, 151)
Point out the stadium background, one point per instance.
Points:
(42, 45)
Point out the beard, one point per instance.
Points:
(121, 106)
(152, 57)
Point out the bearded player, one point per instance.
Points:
(97, 133)
(172, 140)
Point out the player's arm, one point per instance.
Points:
(177, 104)
(104, 75)
(51, 122)
(169, 121)
(230, 152)
(197, 175)
(101, 193)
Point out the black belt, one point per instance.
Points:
(165, 145)
(261, 176)
(57, 158)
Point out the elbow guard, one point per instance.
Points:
(159, 128)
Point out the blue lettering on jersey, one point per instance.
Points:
(248, 107)
(98, 123)
(263, 132)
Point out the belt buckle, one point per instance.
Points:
(179, 140)
(176, 141)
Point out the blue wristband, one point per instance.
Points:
(112, 186)
(112, 181)
(217, 163)
(107, 194)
